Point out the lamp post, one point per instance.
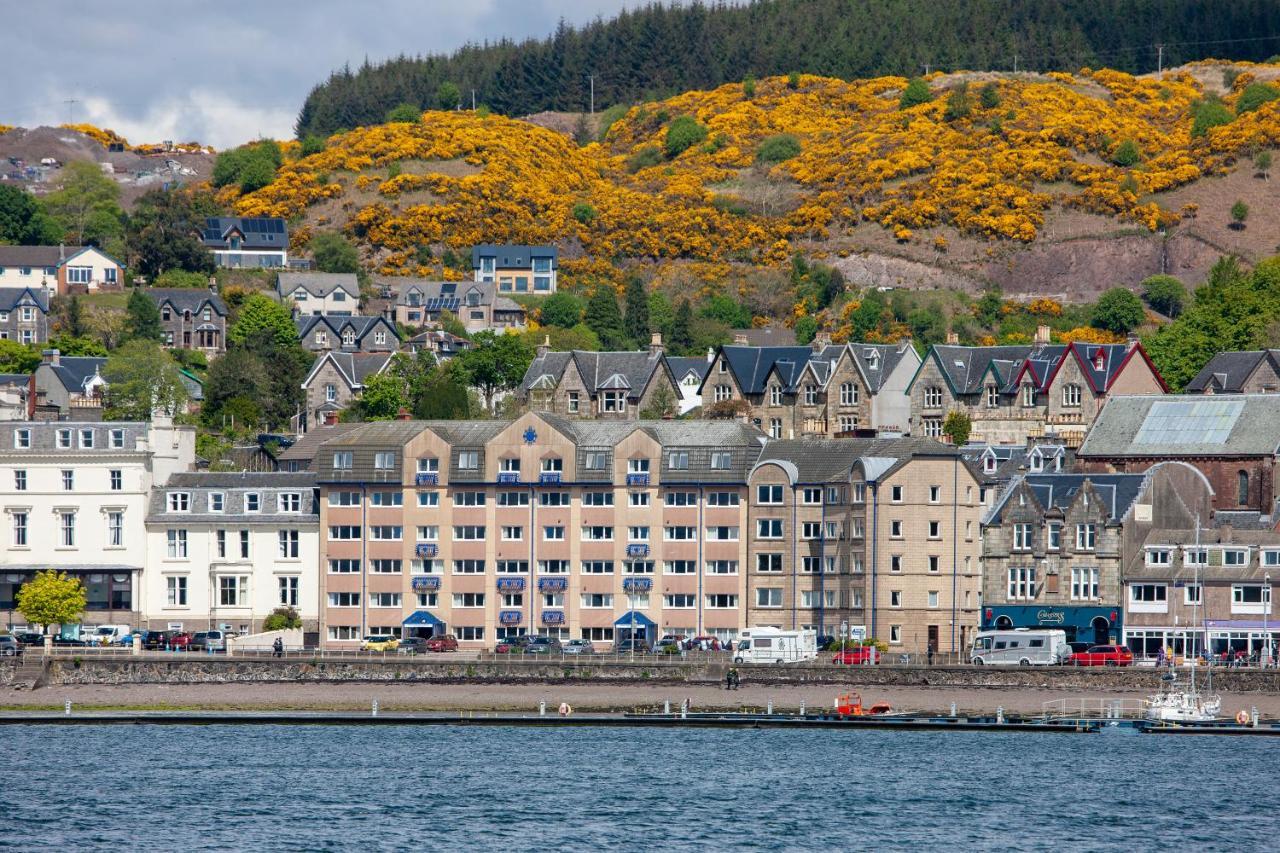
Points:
(1266, 605)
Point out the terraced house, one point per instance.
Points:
(819, 390)
(543, 524)
(1012, 393)
(611, 385)
(322, 333)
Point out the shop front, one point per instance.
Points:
(1096, 625)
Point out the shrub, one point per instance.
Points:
(608, 118)
(776, 148)
(646, 157)
(311, 144)
(1165, 294)
(989, 96)
(957, 425)
(1206, 113)
(447, 96)
(958, 104)
(1126, 154)
(404, 112)
(584, 213)
(730, 204)
(1118, 310)
(683, 132)
(793, 80)
(748, 87)
(1239, 213)
(282, 618)
(180, 278)
(916, 93)
(1254, 96)
(1229, 77)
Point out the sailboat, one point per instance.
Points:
(1175, 703)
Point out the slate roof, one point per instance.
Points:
(876, 361)
(257, 232)
(1227, 372)
(14, 378)
(513, 256)
(191, 299)
(234, 486)
(355, 367)
(44, 435)
(36, 256)
(74, 370)
(337, 324)
(766, 336)
(1058, 491)
(967, 368)
(308, 444)
(815, 460)
(751, 366)
(680, 367)
(11, 298)
(630, 370)
(1177, 426)
(319, 284)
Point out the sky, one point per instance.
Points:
(222, 73)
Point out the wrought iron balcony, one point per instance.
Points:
(427, 479)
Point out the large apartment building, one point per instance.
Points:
(543, 524)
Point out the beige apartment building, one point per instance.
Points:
(542, 524)
(880, 534)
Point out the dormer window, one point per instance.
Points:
(179, 501)
(1028, 395)
(989, 464)
(1099, 360)
(637, 466)
(993, 396)
(166, 314)
(322, 339)
(775, 395)
(348, 338)
(509, 465)
(235, 243)
(380, 337)
(1037, 462)
(339, 296)
(552, 465)
(22, 439)
(208, 314)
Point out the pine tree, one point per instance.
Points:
(604, 318)
(142, 320)
(636, 320)
(682, 327)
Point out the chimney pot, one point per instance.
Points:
(544, 347)
(953, 338)
(330, 418)
(51, 356)
(1043, 334)
(655, 344)
(403, 414)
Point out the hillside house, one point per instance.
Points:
(335, 380)
(517, 269)
(24, 314)
(418, 303)
(191, 318)
(242, 242)
(606, 385)
(312, 293)
(1250, 372)
(63, 269)
(69, 387)
(332, 333)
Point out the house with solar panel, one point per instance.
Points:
(517, 269)
(1232, 440)
(334, 333)
(244, 242)
(1012, 393)
(418, 303)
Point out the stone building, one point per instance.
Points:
(24, 314)
(311, 293)
(610, 385)
(191, 318)
(1251, 372)
(335, 381)
(320, 333)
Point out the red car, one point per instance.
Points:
(447, 643)
(856, 656)
(1102, 656)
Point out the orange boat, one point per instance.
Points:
(850, 705)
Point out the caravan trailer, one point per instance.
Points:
(773, 645)
(1020, 647)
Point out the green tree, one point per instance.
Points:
(282, 619)
(311, 144)
(69, 345)
(236, 388)
(682, 327)
(956, 426)
(584, 213)
(1262, 162)
(793, 80)
(916, 93)
(181, 278)
(1239, 213)
(163, 232)
(142, 317)
(1118, 310)
(1126, 154)
(496, 363)
(958, 103)
(989, 96)
(73, 319)
(16, 358)
(748, 87)
(777, 148)
(22, 222)
(682, 133)
(727, 310)
(261, 313)
(1165, 294)
(636, 318)
(334, 253)
(562, 309)
(1254, 96)
(445, 394)
(450, 323)
(406, 113)
(142, 378)
(52, 598)
(806, 329)
(987, 311)
(447, 96)
(87, 206)
(563, 340)
(662, 404)
(604, 318)
(383, 397)
(661, 314)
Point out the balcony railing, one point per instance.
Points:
(427, 479)
(510, 584)
(420, 584)
(637, 550)
(637, 584)
(510, 617)
(553, 617)
(508, 476)
(429, 549)
(549, 478)
(638, 479)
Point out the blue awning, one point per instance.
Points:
(421, 618)
(641, 620)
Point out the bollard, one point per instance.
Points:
(953, 709)
(68, 708)
(542, 708)
(769, 709)
(684, 709)
(1000, 715)
(1253, 716)
(375, 707)
(802, 707)
(666, 707)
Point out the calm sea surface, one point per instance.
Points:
(429, 788)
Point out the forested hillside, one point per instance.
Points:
(661, 50)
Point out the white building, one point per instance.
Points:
(224, 550)
(74, 498)
(313, 293)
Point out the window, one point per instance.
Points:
(597, 498)
(597, 567)
(176, 591)
(466, 532)
(64, 439)
(292, 501)
(895, 494)
(553, 567)
(722, 533)
(513, 498)
(1022, 537)
(22, 439)
(810, 529)
(288, 544)
(638, 533)
(811, 395)
(344, 567)
(468, 498)
(613, 401)
(895, 563)
(348, 338)
(469, 632)
(288, 591)
(680, 499)
(573, 402)
(721, 460)
(468, 460)
(1148, 597)
(384, 599)
(895, 529)
(722, 499)
(512, 567)
(553, 533)
(992, 396)
(679, 601)
(1084, 584)
(19, 529)
(384, 460)
(1159, 556)
(848, 423)
(775, 427)
(933, 599)
(722, 392)
(429, 499)
(344, 599)
(1071, 395)
(19, 480)
(678, 460)
(344, 632)
(1250, 598)
(637, 567)
(848, 394)
(344, 499)
(68, 480)
(680, 567)
(768, 597)
(512, 533)
(1191, 594)
(1195, 556)
(638, 499)
(1053, 532)
(768, 528)
(386, 567)
(233, 591)
(1028, 395)
(597, 533)
(1086, 536)
(722, 602)
(342, 460)
(244, 544)
(895, 634)
(86, 438)
(597, 600)
(935, 530)
(67, 529)
(769, 494)
(468, 567)
(722, 567)
(933, 397)
(768, 563)
(344, 532)
(117, 439)
(375, 499)
(428, 532)
(1022, 583)
(934, 563)
(252, 502)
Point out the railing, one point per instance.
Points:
(1094, 709)
(508, 477)
(637, 479)
(427, 479)
(427, 550)
(637, 550)
(549, 478)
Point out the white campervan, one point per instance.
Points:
(1020, 647)
(773, 645)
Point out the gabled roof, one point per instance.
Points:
(1058, 492)
(260, 232)
(308, 444)
(877, 361)
(1227, 372)
(36, 256)
(829, 460)
(337, 324)
(1177, 426)
(631, 371)
(192, 299)
(12, 298)
(751, 366)
(74, 371)
(1102, 364)
(681, 367)
(354, 367)
(319, 284)
(512, 256)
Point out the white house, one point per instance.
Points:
(224, 550)
(74, 498)
(311, 293)
(63, 269)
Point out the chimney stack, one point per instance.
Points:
(403, 414)
(953, 338)
(739, 339)
(330, 418)
(711, 354)
(51, 356)
(655, 344)
(213, 284)
(1043, 335)
(1130, 342)
(821, 340)
(545, 346)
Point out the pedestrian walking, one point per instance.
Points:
(277, 648)
(930, 654)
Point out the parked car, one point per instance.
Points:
(109, 635)
(180, 640)
(636, 645)
(1080, 647)
(156, 639)
(578, 647)
(542, 646)
(412, 646)
(9, 646)
(703, 644)
(59, 640)
(446, 643)
(1102, 656)
(379, 643)
(857, 656)
(29, 638)
(512, 645)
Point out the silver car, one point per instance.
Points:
(578, 647)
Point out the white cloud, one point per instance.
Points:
(205, 116)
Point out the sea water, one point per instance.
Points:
(440, 787)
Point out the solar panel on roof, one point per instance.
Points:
(447, 303)
(1198, 422)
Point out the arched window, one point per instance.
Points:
(1242, 487)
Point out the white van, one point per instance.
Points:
(1020, 647)
(773, 645)
(108, 635)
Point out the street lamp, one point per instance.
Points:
(1266, 606)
